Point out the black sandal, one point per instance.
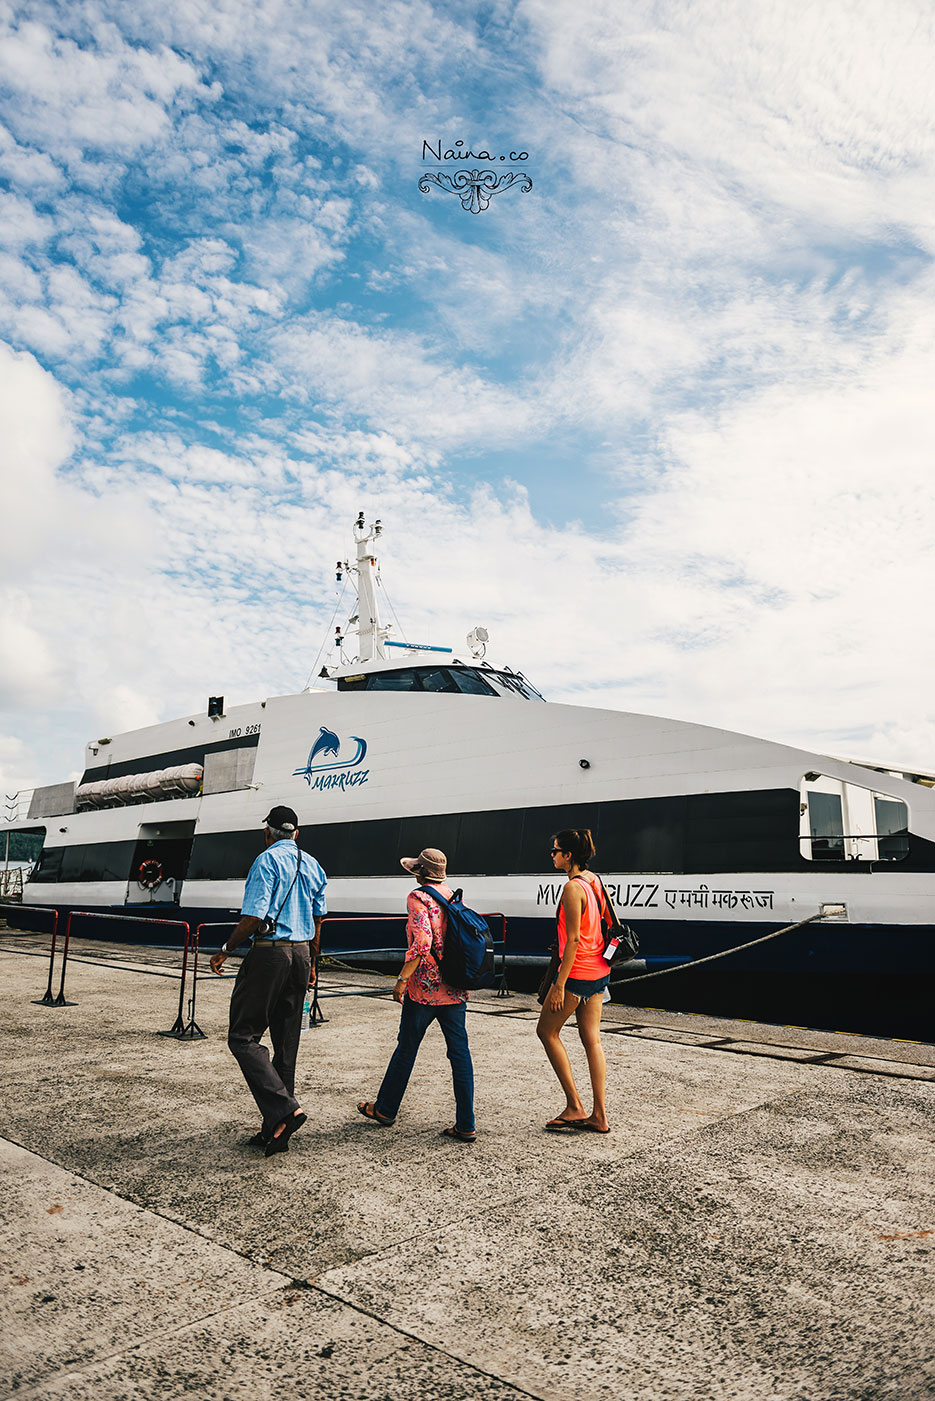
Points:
(369, 1111)
(279, 1143)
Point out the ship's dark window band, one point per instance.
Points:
(696, 834)
(147, 763)
(94, 861)
(463, 680)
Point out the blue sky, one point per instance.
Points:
(662, 423)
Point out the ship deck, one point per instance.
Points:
(759, 1224)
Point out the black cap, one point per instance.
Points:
(283, 819)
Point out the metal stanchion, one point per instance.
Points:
(315, 1015)
(61, 1001)
(502, 988)
(192, 1030)
(47, 1000)
(177, 1029)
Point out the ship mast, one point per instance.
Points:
(371, 635)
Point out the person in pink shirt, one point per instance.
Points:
(579, 984)
(425, 998)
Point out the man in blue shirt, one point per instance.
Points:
(283, 906)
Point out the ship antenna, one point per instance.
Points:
(329, 630)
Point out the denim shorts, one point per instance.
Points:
(587, 987)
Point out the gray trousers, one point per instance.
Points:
(269, 994)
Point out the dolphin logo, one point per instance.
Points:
(326, 743)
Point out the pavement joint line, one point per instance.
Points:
(290, 1282)
(39, 1389)
(424, 1342)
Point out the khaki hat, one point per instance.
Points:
(430, 864)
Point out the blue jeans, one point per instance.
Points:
(413, 1024)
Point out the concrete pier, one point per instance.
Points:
(760, 1223)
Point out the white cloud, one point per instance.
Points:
(713, 281)
(36, 440)
(28, 673)
(812, 109)
(114, 96)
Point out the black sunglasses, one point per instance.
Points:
(556, 851)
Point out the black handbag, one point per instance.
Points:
(620, 941)
(548, 977)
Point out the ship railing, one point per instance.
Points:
(833, 846)
(16, 805)
(11, 884)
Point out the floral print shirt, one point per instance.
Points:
(425, 935)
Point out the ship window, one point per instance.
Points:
(392, 681)
(25, 847)
(844, 821)
(50, 865)
(826, 826)
(892, 823)
(512, 681)
(439, 679)
(471, 684)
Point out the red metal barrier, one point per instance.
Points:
(315, 1013)
(47, 1000)
(178, 1029)
(502, 989)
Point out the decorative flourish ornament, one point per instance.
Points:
(475, 187)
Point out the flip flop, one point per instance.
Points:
(369, 1111)
(585, 1126)
(559, 1125)
(461, 1137)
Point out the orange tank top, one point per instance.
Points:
(589, 961)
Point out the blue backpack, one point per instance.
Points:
(467, 958)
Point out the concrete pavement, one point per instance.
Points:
(759, 1224)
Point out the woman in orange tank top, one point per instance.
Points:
(579, 983)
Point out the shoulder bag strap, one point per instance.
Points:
(298, 867)
(614, 918)
(440, 899)
(430, 890)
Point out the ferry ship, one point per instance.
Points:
(707, 839)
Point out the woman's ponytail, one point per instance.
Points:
(578, 843)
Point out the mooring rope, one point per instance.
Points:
(681, 967)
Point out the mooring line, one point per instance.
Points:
(681, 967)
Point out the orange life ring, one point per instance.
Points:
(150, 874)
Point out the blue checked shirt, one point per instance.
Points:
(267, 882)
